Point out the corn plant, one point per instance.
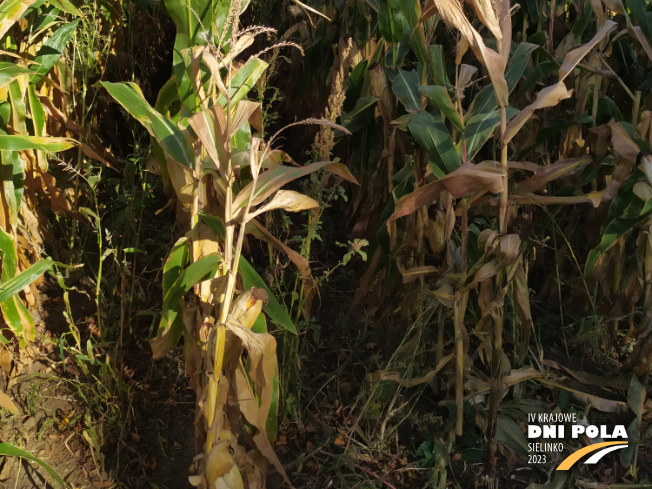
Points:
(459, 114)
(223, 176)
(26, 84)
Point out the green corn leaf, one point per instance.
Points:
(53, 48)
(406, 87)
(479, 129)
(66, 6)
(13, 178)
(15, 284)
(13, 310)
(244, 80)
(194, 22)
(485, 100)
(171, 326)
(251, 278)
(36, 110)
(49, 144)
(433, 136)
(9, 450)
(166, 133)
(18, 107)
(624, 206)
(9, 72)
(439, 96)
(638, 10)
(174, 264)
(392, 22)
(438, 65)
(411, 10)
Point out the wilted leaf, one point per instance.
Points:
(548, 97)
(573, 57)
(560, 169)
(210, 127)
(468, 178)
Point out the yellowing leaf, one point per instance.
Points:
(10, 12)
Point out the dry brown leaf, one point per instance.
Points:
(622, 142)
(548, 97)
(7, 403)
(522, 303)
(247, 111)
(575, 56)
(459, 183)
(484, 9)
(183, 182)
(599, 403)
(220, 468)
(255, 415)
(452, 14)
(504, 14)
(560, 169)
(477, 386)
(210, 127)
(646, 166)
(621, 382)
(396, 377)
(638, 33)
(530, 198)
(5, 360)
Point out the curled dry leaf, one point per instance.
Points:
(459, 183)
(573, 57)
(548, 97)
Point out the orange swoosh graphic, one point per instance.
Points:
(574, 457)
